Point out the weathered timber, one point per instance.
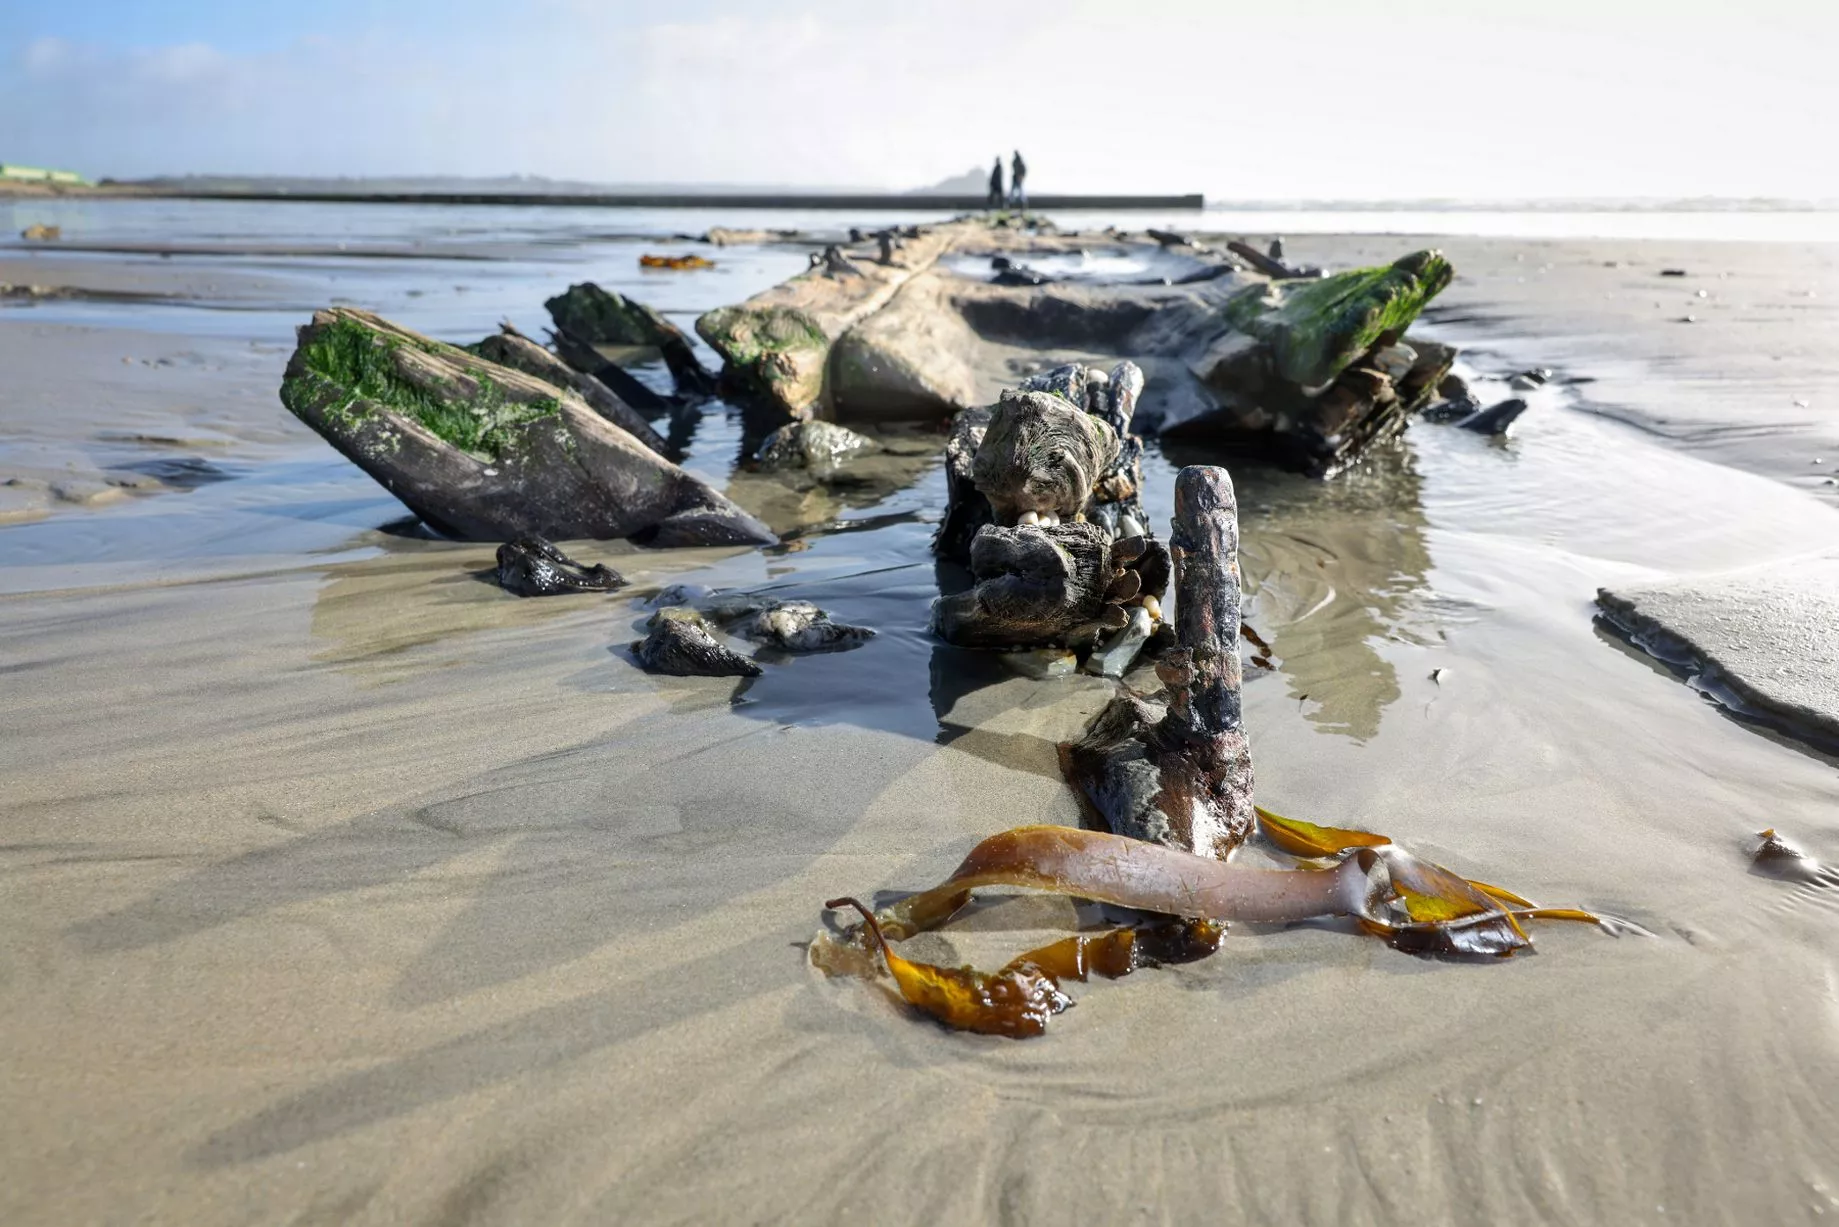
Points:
(1176, 768)
(487, 453)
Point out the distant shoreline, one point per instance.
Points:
(875, 201)
(642, 200)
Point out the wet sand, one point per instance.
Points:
(1752, 380)
(343, 887)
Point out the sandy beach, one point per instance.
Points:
(343, 887)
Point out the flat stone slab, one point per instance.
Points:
(1768, 638)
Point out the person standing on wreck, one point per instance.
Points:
(996, 184)
(1018, 171)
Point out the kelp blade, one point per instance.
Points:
(675, 262)
(1015, 1002)
(1118, 952)
(1300, 838)
(1132, 873)
(1417, 906)
(1019, 1000)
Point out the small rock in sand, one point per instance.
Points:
(790, 626)
(1779, 858)
(818, 446)
(679, 642)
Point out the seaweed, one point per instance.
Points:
(1306, 839)
(747, 335)
(1018, 1000)
(360, 363)
(776, 351)
(1416, 906)
(676, 263)
(1316, 328)
(1116, 953)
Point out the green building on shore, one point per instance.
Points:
(15, 173)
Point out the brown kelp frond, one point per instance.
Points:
(1416, 906)
(1017, 1001)
(1439, 912)
(678, 263)
(1430, 910)
(1118, 952)
(1131, 873)
(1300, 838)
(1502, 895)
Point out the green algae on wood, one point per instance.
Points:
(1315, 329)
(775, 351)
(510, 348)
(604, 317)
(363, 367)
(597, 316)
(487, 452)
(777, 344)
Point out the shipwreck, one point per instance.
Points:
(1238, 347)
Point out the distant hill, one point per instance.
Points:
(973, 182)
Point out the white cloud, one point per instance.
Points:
(181, 65)
(1323, 98)
(44, 56)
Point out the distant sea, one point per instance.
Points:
(143, 219)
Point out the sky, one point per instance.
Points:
(1279, 100)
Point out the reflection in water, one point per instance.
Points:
(1331, 569)
(790, 501)
(680, 433)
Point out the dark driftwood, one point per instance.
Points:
(583, 357)
(679, 642)
(534, 567)
(596, 316)
(487, 453)
(512, 348)
(1176, 769)
(1043, 585)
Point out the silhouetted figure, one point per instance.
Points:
(1018, 171)
(996, 184)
